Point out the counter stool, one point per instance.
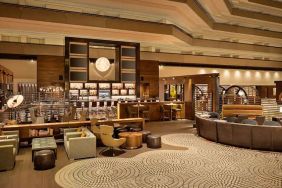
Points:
(154, 141)
(145, 134)
(44, 159)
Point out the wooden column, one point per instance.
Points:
(50, 71)
(149, 78)
(278, 92)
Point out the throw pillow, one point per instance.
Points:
(83, 134)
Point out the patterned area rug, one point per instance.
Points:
(204, 164)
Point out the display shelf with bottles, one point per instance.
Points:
(83, 91)
(89, 92)
(202, 98)
(123, 89)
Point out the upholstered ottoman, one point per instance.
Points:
(154, 141)
(44, 159)
(145, 134)
(133, 140)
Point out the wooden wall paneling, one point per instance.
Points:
(137, 87)
(211, 79)
(279, 92)
(50, 71)
(149, 77)
(265, 91)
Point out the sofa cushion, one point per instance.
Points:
(261, 137)
(276, 138)
(208, 129)
(224, 132)
(242, 135)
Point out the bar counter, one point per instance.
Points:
(154, 109)
(24, 128)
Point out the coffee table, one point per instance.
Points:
(45, 143)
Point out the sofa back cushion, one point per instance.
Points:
(261, 137)
(208, 129)
(242, 135)
(224, 132)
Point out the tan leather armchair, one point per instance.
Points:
(108, 140)
(8, 152)
(78, 147)
(12, 135)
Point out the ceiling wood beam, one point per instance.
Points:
(204, 15)
(251, 14)
(271, 3)
(20, 12)
(14, 50)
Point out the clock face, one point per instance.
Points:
(102, 64)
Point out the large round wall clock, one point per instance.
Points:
(102, 64)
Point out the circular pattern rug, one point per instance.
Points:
(204, 164)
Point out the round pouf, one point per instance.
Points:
(133, 140)
(154, 141)
(44, 159)
(145, 134)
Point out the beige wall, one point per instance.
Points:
(24, 71)
(227, 76)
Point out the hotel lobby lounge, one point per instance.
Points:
(163, 93)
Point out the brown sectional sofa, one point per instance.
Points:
(241, 135)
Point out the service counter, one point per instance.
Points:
(154, 109)
(24, 129)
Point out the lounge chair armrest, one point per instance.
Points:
(72, 135)
(68, 130)
(8, 142)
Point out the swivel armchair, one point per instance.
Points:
(112, 143)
